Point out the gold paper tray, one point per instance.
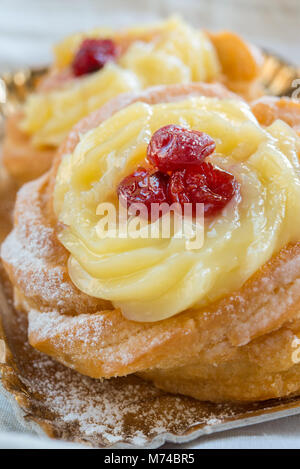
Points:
(121, 412)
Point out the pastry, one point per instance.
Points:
(91, 68)
(219, 322)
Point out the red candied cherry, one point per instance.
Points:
(205, 184)
(92, 55)
(173, 147)
(144, 187)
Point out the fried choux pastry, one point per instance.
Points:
(216, 322)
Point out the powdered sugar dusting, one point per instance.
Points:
(54, 325)
(118, 411)
(99, 412)
(107, 411)
(49, 283)
(37, 260)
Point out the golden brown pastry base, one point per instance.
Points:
(264, 368)
(22, 160)
(243, 347)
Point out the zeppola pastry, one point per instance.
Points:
(91, 68)
(217, 322)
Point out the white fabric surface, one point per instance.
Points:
(29, 27)
(27, 30)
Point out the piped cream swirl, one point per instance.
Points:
(166, 53)
(152, 279)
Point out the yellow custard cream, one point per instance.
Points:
(168, 53)
(152, 279)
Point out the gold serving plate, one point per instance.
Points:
(120, 412)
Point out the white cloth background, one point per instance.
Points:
(27, 30)
(29, 27)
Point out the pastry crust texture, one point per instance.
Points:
(242, 347)
(22, 160)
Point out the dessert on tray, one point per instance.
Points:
(217, 321)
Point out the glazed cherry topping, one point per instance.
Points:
(182, 176)
(144, 187)
(173, 147)
(205, 184)
(93, 55)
